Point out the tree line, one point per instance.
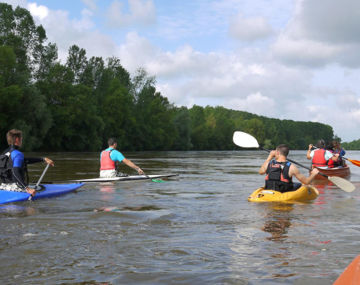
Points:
(78, 104)
(353, 145)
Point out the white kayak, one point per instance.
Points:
(126, 178)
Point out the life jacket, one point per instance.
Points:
(318, 159)
(106, 163)
(340, 161)
(277, 177)
(6, 166)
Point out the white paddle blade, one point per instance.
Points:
(245, 140)
(342, 183)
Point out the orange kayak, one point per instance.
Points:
(351, 275)
(336, 171)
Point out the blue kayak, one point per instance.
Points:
(47, 191)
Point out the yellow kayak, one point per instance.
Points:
(303, 194)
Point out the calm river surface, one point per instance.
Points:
(197, 228)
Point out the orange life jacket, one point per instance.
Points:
(318, 159)
(106, 163)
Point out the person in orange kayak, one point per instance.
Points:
(279, 172)
(320, 156)
(108, 159)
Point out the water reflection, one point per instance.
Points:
(17, 211)
(120, 209)
(277, 221)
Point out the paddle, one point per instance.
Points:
(355, 162)
(248, 141)
(157, 180)
(37, 186)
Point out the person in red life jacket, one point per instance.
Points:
(279, 172)
(108, 159)
(320, 156)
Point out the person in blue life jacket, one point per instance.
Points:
(14, 165)
(279, 172)
(337, 149)
(108, 159)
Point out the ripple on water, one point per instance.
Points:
(195, 229)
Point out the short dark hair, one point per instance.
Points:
(112, 141)
(12, 135)
(283, 149)
(320, 143)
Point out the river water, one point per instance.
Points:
(197, 228)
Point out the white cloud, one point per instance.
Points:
(76, 31)
(91, 4)
(303, 51)
(320, 33)
(249, 29)
(141, 12)
(38, 11)
(330, 21)
(254, 103)
(187, 76)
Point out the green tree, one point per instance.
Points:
(182, 125)
(199, 132)
(77, 62)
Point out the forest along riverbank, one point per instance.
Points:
(196, 228)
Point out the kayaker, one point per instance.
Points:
(338, 149)
(13, 164)
(279, 172)
(108, 159)
(320, 156)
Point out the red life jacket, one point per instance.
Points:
(319, 158)
(277, 176)
(106, 163)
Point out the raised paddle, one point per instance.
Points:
(248, 141)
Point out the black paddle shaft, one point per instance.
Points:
(308, 168)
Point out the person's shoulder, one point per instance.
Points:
(17, 155)
(293, 168)
(114, 151)
(17, 152)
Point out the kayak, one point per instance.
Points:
(126, 178)
(336, 171)
(351, 274)
(46, 191)
(303, 194)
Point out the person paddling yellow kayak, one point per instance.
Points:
(279, 171)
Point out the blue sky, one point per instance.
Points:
(288, 59)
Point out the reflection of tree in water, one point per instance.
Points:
(277, 228)
(277, 222)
